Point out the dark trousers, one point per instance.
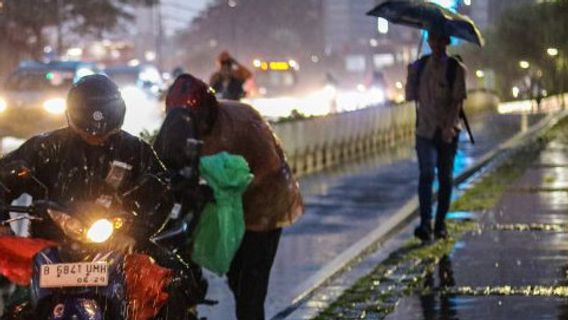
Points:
(250, 272)
(435, 154)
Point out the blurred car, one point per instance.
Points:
(143, 77)
(32, 99)
(141, 86)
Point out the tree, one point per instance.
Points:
(525, 33)
(23, 22)
(254, 29)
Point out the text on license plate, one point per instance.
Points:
(81, 274)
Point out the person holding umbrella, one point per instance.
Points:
(439, 99)
(436, 82)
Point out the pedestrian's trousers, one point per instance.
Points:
(435, 155)
(250, 272)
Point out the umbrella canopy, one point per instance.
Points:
(429, 16)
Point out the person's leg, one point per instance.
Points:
(426, 153)
(445, 167)
(250, 272)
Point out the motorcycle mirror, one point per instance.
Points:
(16, 172)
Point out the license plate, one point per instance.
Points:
(81, 274)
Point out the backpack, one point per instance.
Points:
(453, 63)
(451, 71)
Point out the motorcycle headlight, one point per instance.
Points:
(100, 231)
(55, 106)
(3, 105)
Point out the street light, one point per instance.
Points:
(553, 52)
(524, 64)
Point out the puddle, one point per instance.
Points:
(406, 272)
(527, 291)
(538, 189)
(529, 227)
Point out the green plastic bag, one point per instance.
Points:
(221, 227)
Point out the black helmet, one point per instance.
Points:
(95, 106)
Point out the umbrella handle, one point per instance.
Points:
(467, 127)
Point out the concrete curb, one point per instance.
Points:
(398, 220)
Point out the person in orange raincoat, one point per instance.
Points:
(272, 200)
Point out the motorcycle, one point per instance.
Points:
(91, 272)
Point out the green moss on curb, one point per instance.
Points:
(402, 273)
(485, 194)
(545, 227)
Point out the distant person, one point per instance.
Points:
(228, 81)
(330, 79)
(437, 83)
(331, 87)
(176, 72)
(536, 91)
(378, 79)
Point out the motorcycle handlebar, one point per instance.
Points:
(18, 209)
(37, 208)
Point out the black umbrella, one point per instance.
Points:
(429, 16)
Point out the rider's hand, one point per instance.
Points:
(5, 231)
(206, 193)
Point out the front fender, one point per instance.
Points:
(114, 292)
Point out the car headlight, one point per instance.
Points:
(55, 106)
(100, 231)
(3, 105)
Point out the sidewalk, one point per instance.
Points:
(511, 264)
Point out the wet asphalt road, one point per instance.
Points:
(345, 204)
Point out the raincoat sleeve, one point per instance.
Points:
(154, 205)
(151, 163)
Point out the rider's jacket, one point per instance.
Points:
(74, 171)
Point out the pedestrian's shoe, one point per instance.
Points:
(440, 231)
(423, 232)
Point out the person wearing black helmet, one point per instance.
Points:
(95, 109)
(76, 165)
